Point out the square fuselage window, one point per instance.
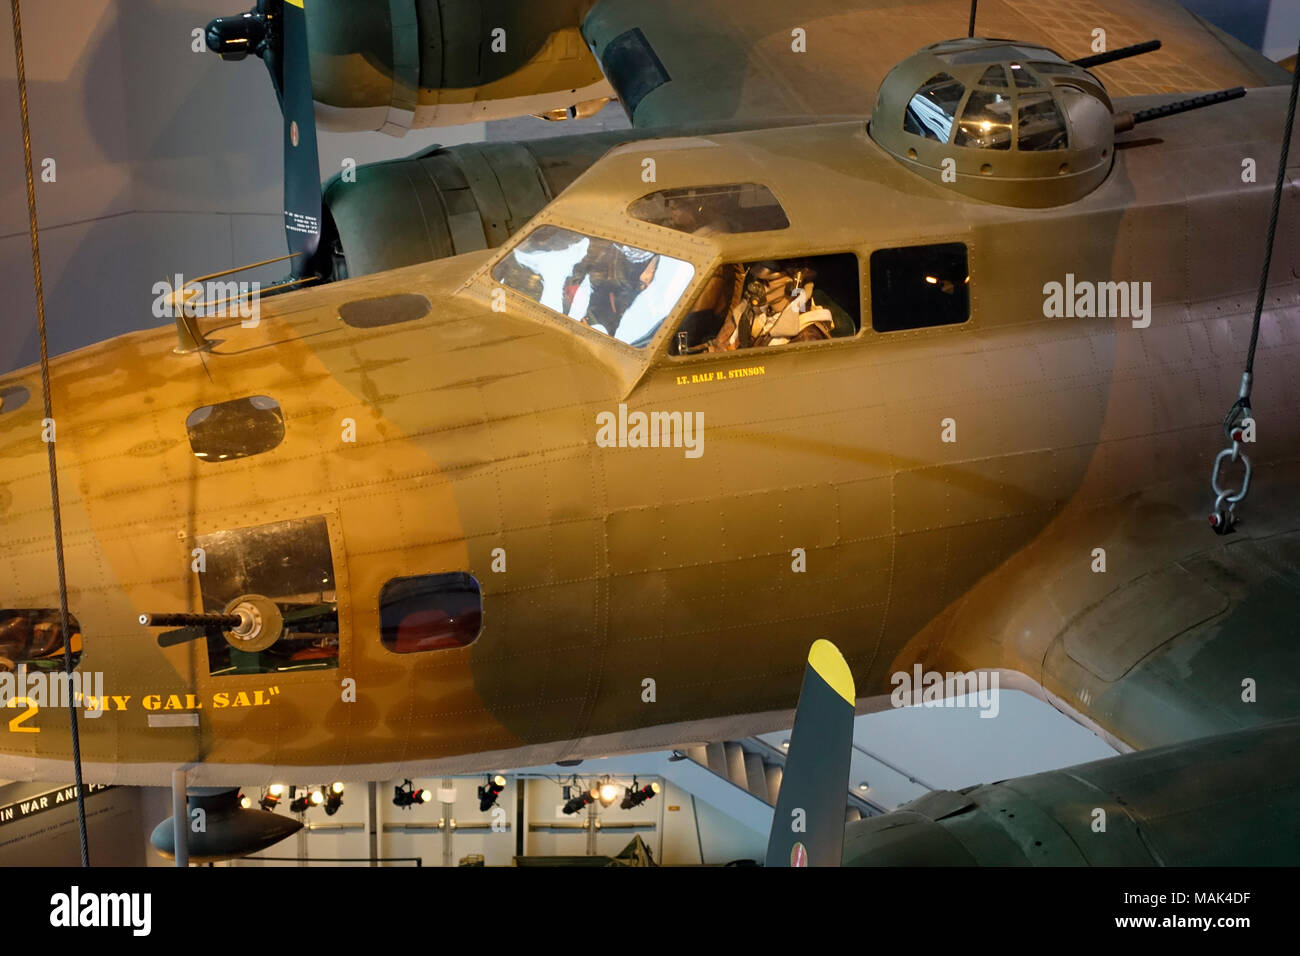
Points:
(919, 287)
(430, 612)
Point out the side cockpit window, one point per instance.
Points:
(33, 637)
(712, 210)
(620, 290)
(235, 429)
(773, 302)
(917, 287)
(430, 612)
(291, 564)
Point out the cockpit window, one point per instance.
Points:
(773, 302)
(235, 429)
(609, 286)
(932, 108)
(710, 210)
(986, 121)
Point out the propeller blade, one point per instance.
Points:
(302, 189)
(808, 824)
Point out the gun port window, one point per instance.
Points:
(34, 637)
(917, 287)
(614, 288)
(290, 563)
(932, 108)
(235, 429)
(710, 210)
(773, 302)
(430, 612)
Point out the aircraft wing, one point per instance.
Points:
(685, 61)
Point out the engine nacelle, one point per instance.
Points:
(396, 64)
(447, 201)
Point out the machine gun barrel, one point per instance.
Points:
(191, 620)
(1123, 53)
(1126, 121)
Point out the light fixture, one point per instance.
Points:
(488, 793)
(245, 803)
(304, 802)
(607, 792)
(638, 795)
(407, 795)
(864, 785)
(785, 745)
(580, 802)
(334, 799)
(271, 797)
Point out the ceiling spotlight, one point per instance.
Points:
(308, 799)
(271, 797)
(581, 801)
(608, 791)
(785, 745)
(864, 785)
(488, 793)
(244, 802)
(639, 795)
(277, 790)
(334, 799)
(407, 795)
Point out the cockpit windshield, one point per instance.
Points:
(609, 286)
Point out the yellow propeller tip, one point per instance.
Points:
(825, 658)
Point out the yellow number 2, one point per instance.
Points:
(15, 723)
